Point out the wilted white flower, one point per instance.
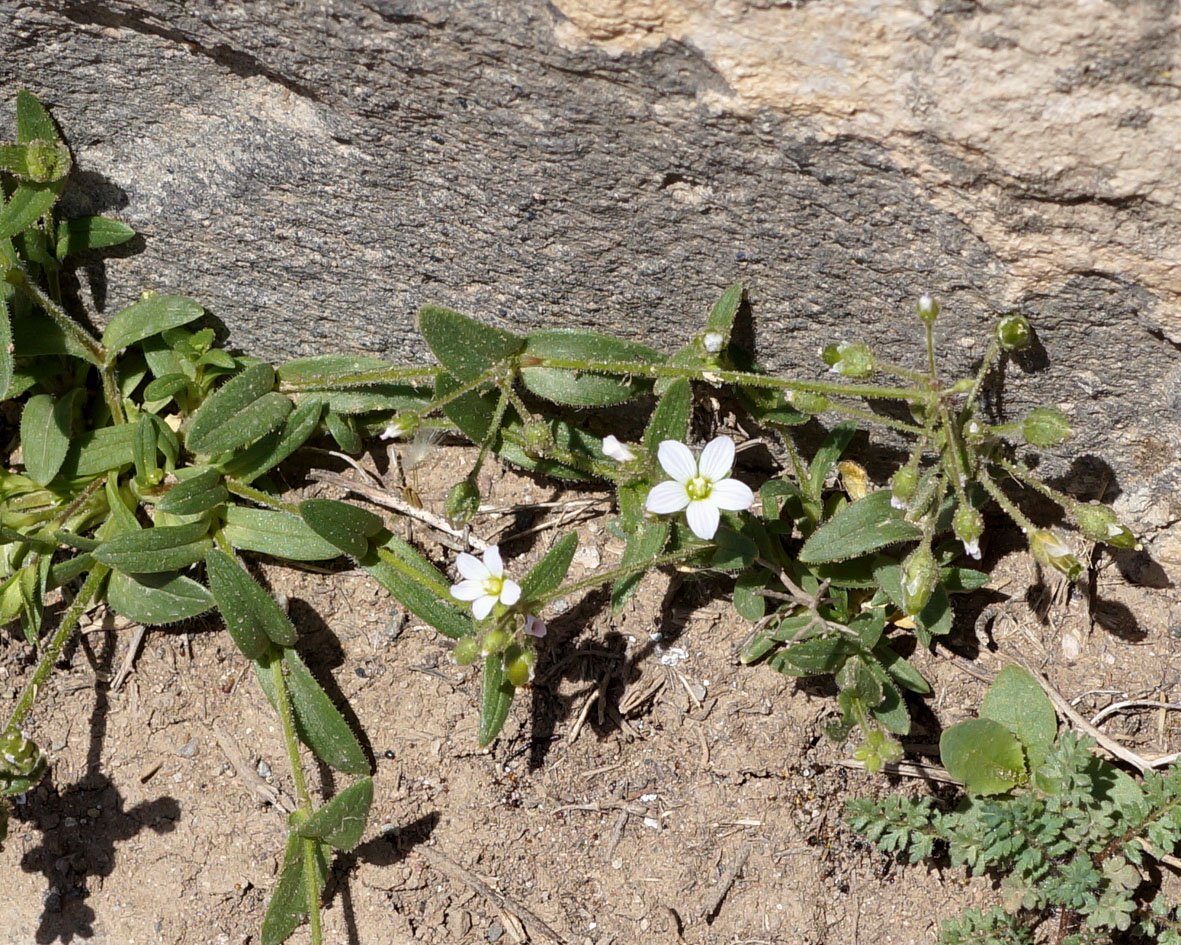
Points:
(712, 341)
(700, 487)
(484, 583)
(617, 451)
(535, 626)
(397, 429)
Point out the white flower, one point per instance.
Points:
(712, 341)
(397, 429)
(617, 451)
(535, 626)
(484, 583)
(972, 548)
(699, 487)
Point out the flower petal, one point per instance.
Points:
(617, 451)
(471, 567)
(510, 592)
(677, 460)
(492, 561)
(703, 518)
(535, 626)
(717, 459)
(467, 590)
(482, 607)
(667, 497)
(732, 495)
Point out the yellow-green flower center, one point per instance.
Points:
(493, 586)
(698, 488)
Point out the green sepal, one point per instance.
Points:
(345, 526)
(341, 822)
(318, 723)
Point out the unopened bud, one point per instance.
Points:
(713, 341)
(920, 572)
(494, 641)
(19, 756)
(466, 651)
(613, 449)
(807, 402)
(968, 526)
(849, 360)
(1051, 550)
(1045, 426)
(928, 309)
(401, 426)
(463, 501)
(1098, 523)
(518, 665)
(1013, 332)
(539, 439)
(903, 486)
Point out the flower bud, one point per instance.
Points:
(1098, 523)
(1045, 426)
(613, 449)
(1051, 550)
(1013, 332)
(19, 757)
(919, 575)
(539, 439)
(807, 402)
(903, 486)
(928, 309)
(849, 360)
(494, 641)
(518, 665)
(466, 651)
(401, 426)
(462, 501)
(968, 526)
(713, 341)
(877, 749)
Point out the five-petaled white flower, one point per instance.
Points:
(700, 487)
(620, 452)
(484, 583)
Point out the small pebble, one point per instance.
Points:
(264, 769)
(495, 931)
(188, 749)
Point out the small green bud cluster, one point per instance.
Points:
(463, 501)
(1014, 333)
(1098, 523)
(878, 749)
(539, 439)
(518, 657)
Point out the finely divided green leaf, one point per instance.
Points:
(317, 721)
(145, 318)
(583, 389)
(497, 696)
(153, 550)
(251, 615)
(859, 528)
(341, 822)
(275, 533)
(346, 526)
(85, 234)
(463, 346)
(550, 571)
(45, 436)
(984, 755)
(157, 599)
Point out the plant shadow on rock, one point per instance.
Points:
(68, 856)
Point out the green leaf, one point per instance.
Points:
(344, 432)
(324, 370)
(670, 419)
(750, 604)
(346, 526)
(157, 599)
(197, 494)
(962, 580)
(152, 550)
(86, 234)
(859, 528)
(33, 122)
(272, 449)
(583, 389)
(251, 615)
(98, 451)
(289, 901)
(275, 533)
(381, 397)
(29, 202)
(45, 435)
(497, 697)
(1018, 702)
(417, 586)
(819, 655)
(551, 570)
(984, 755)
(646, 543)
(463, 346)
(145, 318)
(6, 349)
(827, 455)
(904, 674)
(341, 822)
(318, 722)
(721, 316)
(217, 422)
(891, 709)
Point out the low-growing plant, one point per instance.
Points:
(145, 483)
(1071, 837)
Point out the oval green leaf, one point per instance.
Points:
(346, 526)
(859, 528)
(341, 822)
(157, 599)
(152, 550)
(252, 617)
(465, 347)
(145, 318)
(275, 533)
(984, 755)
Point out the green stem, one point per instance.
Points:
(930, 331)
(868, 416)
(990, 356)
(615, 574)
(1021, 472)
(492, 374)
(20, 279)
(390, 375)
(53, 650)
(1005, 503)
(493, 427)
(244, 491)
